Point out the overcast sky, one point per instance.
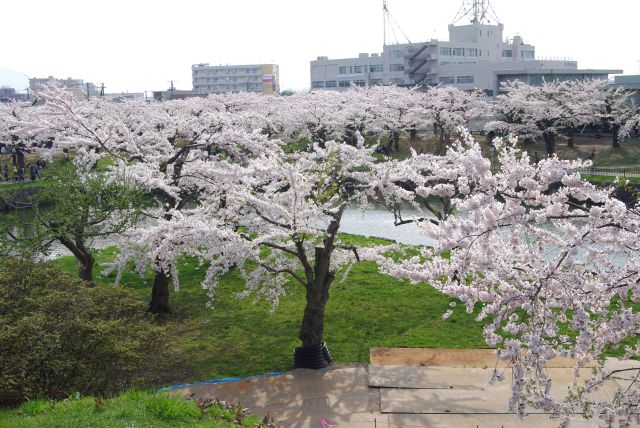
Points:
(137, 45)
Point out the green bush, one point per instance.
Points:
(60, 336)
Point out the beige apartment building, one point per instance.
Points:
(215, 79)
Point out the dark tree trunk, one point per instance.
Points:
(549, 143)
(442, 142)
(413, 133)
(83, 255)
(312, 327)
(160, 294)
(85, 267)
(615, 136)
(571, 133)
(394, 141)
(20, 156)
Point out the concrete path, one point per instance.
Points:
(401, 388)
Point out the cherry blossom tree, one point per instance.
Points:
(530, 112)
(551, 261)
(446, 108)
(163, 147)
(558, 108)
(287, 210)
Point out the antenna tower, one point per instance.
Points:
(477, 11)
(390, 24)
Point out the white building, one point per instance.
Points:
(212, 79)
(476, 56)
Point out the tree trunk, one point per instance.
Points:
(160, 294)
(312, 326)
(549, 143)
(441, 143)
(571, 133)
(615, 136)
(83, 255)
(85, 267)
(413, 134)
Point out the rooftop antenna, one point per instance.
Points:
(389, 21)
(477, 11)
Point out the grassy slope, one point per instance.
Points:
(131, 409)
(241, 337)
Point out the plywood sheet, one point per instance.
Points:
(482, 421)
(472, 358)
(478, 358)
(494, 399)
(429, 377)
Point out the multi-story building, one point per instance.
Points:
(7, 94)
(68, 83)
(476, 56)
(214, 79)
(631, 84)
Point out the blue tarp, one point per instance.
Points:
(214, 381)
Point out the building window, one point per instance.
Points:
(528, 54)
(508, 53)
(448, 80)
(360, 82)
(357, 69)
(330, 84)
(342, 70)
(472, 52)
(344, 83)
(465, 80)
(396, 53)
(458, 51)
(445, 51)
(396, 67)
(376, 81)
(378, 68)
(317, 84)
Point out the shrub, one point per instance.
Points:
(60, 336)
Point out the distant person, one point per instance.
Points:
(15, 173)
(6, 172)
(21, 174)
(536, 158)
(592, 156)
(33, 170)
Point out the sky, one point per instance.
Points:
(140, 45)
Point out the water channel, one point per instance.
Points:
(374, 222)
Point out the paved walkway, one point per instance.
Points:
(401, 388)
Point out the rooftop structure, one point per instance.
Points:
(476, 56)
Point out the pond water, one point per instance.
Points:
(375, 222)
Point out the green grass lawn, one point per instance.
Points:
(131, 409)
(242, 337)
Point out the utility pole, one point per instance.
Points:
(384, 22)
(28, 95)
(87, 91)
(102, 90)
(171, 89)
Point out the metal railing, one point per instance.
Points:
(611, 172)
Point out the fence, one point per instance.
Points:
(612, 172)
